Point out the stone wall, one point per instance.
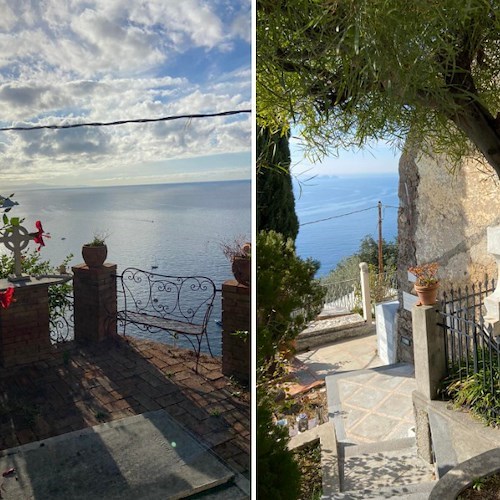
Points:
(443, 217)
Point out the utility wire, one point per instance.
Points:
(122, 122)
(344, 215)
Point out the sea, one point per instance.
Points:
(175, 228)
(336, 213)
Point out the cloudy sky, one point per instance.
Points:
(69, 61)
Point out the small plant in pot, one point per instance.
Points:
(238, 253)
(427, 282)
(94, 253)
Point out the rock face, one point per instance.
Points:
(443, 217)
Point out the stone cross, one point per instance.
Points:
(16, 240)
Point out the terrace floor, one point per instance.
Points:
(120, 378)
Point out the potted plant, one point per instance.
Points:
(239, 254)
(427, 282)
(94, 253)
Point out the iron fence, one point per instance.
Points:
(61, 313)
(470, 347)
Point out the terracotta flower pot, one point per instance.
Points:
(94, 256)
(242, 270)
(427, 294)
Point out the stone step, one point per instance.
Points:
(325, 331)
(386, 468)
(418, 491)
(380, 447)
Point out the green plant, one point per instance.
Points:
(99, 240)
(277, 470)
(288, 295)
(475, 392)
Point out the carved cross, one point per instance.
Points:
(16, 241)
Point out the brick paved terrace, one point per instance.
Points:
(85, 386)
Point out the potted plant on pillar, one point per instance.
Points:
(94, 253)
(239, 254)
(427, 282)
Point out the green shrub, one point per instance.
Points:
(475, 392)
(278, 475)
(288, 296)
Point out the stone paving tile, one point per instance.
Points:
(122, 378)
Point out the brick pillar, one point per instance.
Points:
(95, 302)
(236, 317)
(24, 325)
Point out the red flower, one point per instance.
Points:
(38, 239)
(7, 297)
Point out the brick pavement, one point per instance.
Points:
(86, 386)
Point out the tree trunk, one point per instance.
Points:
(482, 130)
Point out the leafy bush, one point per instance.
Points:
(288, 295)
(278, 475)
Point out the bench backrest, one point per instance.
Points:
(183, 298)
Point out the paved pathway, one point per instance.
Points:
(370, 406)
(117, 379)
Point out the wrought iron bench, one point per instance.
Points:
(180, 305)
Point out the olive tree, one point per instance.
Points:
(350, 71)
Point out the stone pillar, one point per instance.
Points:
(95, 302)
(24, 325)
(428, 350)
(365, 291)
(492, 302)
(236, 318)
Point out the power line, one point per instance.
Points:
(122, 122)
(344, 215)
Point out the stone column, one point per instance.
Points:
(95, 302)
(24, 325)
(492, 302)
(365, 291)
(236, 318)
(428, 350)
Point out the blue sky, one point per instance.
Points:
(377, 158)
(67, 61)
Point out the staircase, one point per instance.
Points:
(372, 414)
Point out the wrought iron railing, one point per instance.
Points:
(470, 347)
(61, 313)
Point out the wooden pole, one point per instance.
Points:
(380, 255)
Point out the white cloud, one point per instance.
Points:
(67, 61)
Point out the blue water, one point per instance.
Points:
(323, 197)
(177, 227)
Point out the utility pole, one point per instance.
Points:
(380, 255)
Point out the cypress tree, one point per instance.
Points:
(275, 199)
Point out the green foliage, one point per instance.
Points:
(288, 295)
(275, 199)
(475, 392)
(348, 268)
(278, 476)
(351, 71)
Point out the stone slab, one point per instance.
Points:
(147, 456)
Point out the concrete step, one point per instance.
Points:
(325, 331)
(418, 491)
(391, 465)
